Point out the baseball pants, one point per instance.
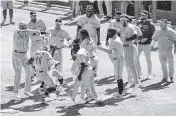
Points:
(19, 60)
(118, 64)
(85, 82)
(147, 53)
(167, 57)
(94, 64)
(58, 57)
(108, 5)
(130, 54)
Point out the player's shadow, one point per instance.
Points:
(105, 81)
(156, 86)
(13, 102)
(10, 88)
(74, 110)
(115, 90)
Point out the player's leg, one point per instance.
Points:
(28, 73)
(118, 71)
(108, 5)
(100, 8)
(147, 54)
(92, 84)
(140, 49)
(83, 90)
(170, 60)
(17, 66)
(4, 10)
(58, 75)
(94, 64)
(163, 61)
(129, 58)
(75, 89)
(10, 7)
(58, 57)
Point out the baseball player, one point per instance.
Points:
(52, 70)
(75, 47)
(127, 35)
(20, 58)
(114, 23)
(83, 71)
(147, 28)
(7, 4)
(42, 61)
(139, 37)
(57, 37)
(89, 45)
(91, 23)
(35, 24)
(166, 37)
(116, 49)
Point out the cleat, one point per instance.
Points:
(40, 90)
(28, 94)
(43, 99)
(117, 96)
(58, 89)
(172, 79)
(11, 22)
(149, 76)
(98, 43)
(16, 97)
(165, 79)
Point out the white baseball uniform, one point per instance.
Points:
(115, 24)
(20, 58)
(57, 38)
(42, 62)
(116, 46)
(130, 51)
(36, 40)
(82, 56)
(90, 24)
(89, 45)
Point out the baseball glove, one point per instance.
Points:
(30, 61)
(53, 48)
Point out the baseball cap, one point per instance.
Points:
(118, 13)
(112, 30)
(58, 20)
(33, 13)
(124, 19)
(144, 12)
(84, 32)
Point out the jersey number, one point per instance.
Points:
(39, 60)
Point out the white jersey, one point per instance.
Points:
(117, 47)
(115, 24)
(57, 37)
(83, 57)
(89, 45)
(127, 32)
(21, 40)
(38, 25)
(41, 60)
(90, 24)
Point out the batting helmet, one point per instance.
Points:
(111, 32)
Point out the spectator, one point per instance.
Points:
(124, 6)
(108, 5)
(7, 5)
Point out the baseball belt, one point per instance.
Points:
(19, 52)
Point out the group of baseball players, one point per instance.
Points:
(126, 40)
